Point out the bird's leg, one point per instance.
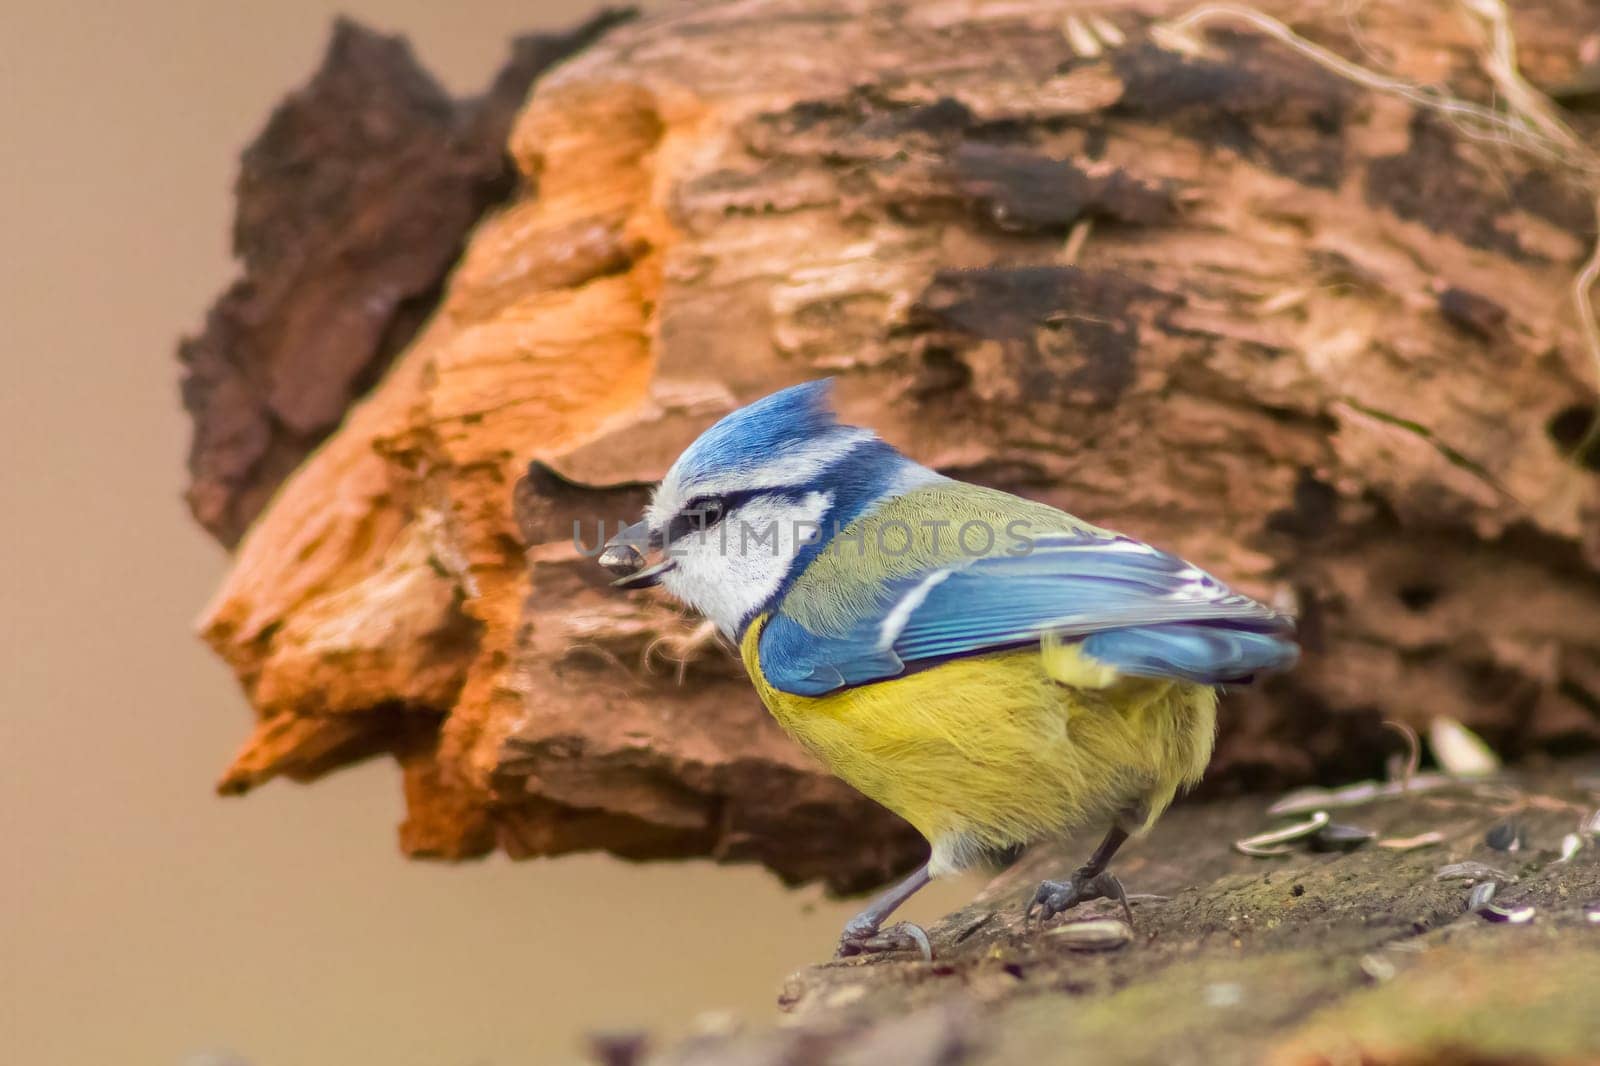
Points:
(1089, 881)
(864, 933)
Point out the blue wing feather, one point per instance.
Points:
(1207, 654)
(1136, 608)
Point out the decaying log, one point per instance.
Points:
(1305, 334)
(353, 203)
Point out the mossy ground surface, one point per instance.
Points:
(1364, 957)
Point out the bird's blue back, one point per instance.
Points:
(862, 610)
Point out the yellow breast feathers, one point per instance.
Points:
(986, 752)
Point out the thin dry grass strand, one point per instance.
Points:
(1413, 751)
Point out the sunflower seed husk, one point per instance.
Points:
(1095, 934)
(1481, 902)
(1265, 844)
(1468, 871)
(1422, 840)
(1305, 800)
(1493, 912)
(1257, 851)
(1591, 912)
(1481, 896)
(1507, 836)
(1459, 750)
(1336, 837)
(1571, 844)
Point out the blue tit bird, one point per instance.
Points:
(991, 669)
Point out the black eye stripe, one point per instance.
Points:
(706, 505)
(697, 516)
(703, 513)
(682, 527)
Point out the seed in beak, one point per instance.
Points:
(646, 578)
(622, 559)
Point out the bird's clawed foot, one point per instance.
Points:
(902, 936)
(1055, 897)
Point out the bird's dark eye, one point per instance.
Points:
(709, 510)
(696, 517)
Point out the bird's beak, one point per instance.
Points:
(643, 579)
(624, 556)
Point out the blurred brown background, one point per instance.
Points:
(142, 919)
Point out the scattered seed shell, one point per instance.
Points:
(1303, 800)
(1095, 934)
(1591, 912)
(1481, 902)
(1571, 844)
(1266, 844)
(1459, 750)
(1306, 800)
(1493, 912)
(1507, 836)
(1336, 837)
(1256, 851)
(1469, 871)
(1421, 840)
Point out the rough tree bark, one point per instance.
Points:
(1314, 339)
(353, 203)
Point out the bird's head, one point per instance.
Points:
(752, 500)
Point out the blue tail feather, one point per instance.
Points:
(1194, 651)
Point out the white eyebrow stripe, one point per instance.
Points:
(794, 467)
(894, 623)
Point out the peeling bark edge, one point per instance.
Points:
(354, 202)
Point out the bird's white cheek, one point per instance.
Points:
(737, 567)
(706, 582)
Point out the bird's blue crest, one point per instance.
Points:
(755, 434)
